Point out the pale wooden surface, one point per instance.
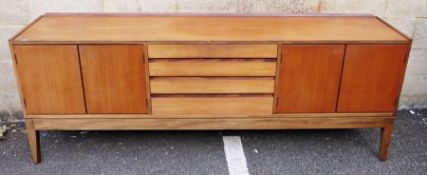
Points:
(212, 105)
(33, 140)
(50, 79)
(209, 124)
(114, 78)
(210, 85)
(212, 67)
(212, 51)
(93, 28)
(372, 78)
(292, 115)
(310, 77)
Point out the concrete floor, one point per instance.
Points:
(350, 151)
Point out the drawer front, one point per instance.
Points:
(212, 67)
(212, 51)
(212, 105)
(209, 85)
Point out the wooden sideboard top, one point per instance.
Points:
(116, 28)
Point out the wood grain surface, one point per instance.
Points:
(285, 115)
(50, 79)
(209, 85)
(372, 78)
(33, 140)
(208, 29)
(212, 67)
(209, 124)
(212, 105)
(212, 51)
(114, 78)
(309, 78)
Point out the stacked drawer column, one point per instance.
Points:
(212, 79)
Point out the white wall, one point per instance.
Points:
(410, 16)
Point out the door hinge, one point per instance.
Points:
(277, 101)
(25, 102)
(16, 59)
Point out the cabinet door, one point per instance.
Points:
(114, 78)
(372, 78)
(50, 79)
(309, 78)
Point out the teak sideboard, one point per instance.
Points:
(194, 72)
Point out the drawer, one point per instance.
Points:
(212, 67)
(212, 105)
(197, 85)
(212, 51)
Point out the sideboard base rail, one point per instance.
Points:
(69, 124)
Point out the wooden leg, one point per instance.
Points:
(34, 140)
(386, 133)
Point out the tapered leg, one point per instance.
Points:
(386, 134)
(34, 140)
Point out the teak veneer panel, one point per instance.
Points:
(209, 124)
(309, 78)
(211, 105)
(134, 28)
(212, 67)
(114, 78)
(33, 140)
(284, 115)
(50, 80)
(209, 85)
(212, 51)
(372, 78)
